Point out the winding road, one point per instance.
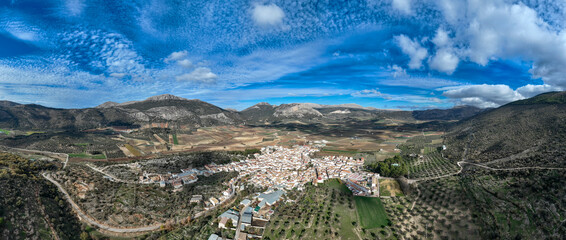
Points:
(93, 222)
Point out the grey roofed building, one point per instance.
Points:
(269, 198)
(248, 210)
(261, 204)
(213, 237)
(247, 218)
(184, 174)
(245, 202)
(231, 214)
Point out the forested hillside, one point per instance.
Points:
(30, 207)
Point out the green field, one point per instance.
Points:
(4, 131)
(133, 150)
(336, 184)
(175, 141)
(371, 212)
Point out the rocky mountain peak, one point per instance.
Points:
(164, 97)
(108, 104)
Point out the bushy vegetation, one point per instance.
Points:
(15, 166)
(390, 167)
(133, 204)
(29, 205)
(67, 142)
(522, 204)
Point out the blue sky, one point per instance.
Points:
(395, 54)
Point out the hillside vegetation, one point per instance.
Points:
(510, 200)
(30, 208)
(527, 132)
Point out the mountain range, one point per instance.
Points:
(197, 113)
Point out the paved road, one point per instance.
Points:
(240, 221)
(66, 161)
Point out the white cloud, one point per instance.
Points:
(533, 90)
(444, 61)
(486, 30)
(21, 30)
(416, 52)
(267, 15)
(118, 75)
(74, 7)
(372, 93)
(375, 93)
(398, 71)
(175, 56)
(418, 82)
(453, 10)
(56, 83)
(106, 52)
(404, 6)
(200, 75)
(486, 95)
(441, 39)
(186, 63)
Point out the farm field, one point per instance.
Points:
(175, 140)
(442, 211)
(5, 131)
(431, 165)
(389, 188)
(132, 150)
(237, 138)
(371, 212)
(326, 211)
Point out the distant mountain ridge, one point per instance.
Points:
(456, 113)
(162, 108)
(194, 112)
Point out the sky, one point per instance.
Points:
(392, 54)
